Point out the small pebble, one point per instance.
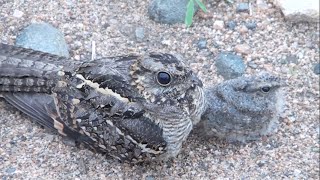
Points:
(139, 32)
(300, 55)
(218, 24)
(243, 49)
(13, 142)
(202, 44)
(113, 21)
(297, 172)
(166, 42)
(261, 163)
(23, 138)
(10, 170)
(243, 29)
(231, 25)
(252, 65)
(242, 7)
(316, 69)
(215, 44)
(292, 59)
(150, 178)
(251, 25)
(261, 4)
(17, 13)
(77, 57)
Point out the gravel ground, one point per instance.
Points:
(29, 152)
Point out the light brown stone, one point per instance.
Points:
(299, 11)
(243, 29)
(243, 49)
(218, 24)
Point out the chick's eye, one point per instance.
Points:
(163, 78)
(265, 89)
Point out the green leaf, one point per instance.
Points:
(189, 13)
(230, 1)
(202, 6)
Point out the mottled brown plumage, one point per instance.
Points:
(133, 108)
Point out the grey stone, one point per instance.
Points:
(150, 177)
(283, 61)
(251, 25)
(139, 33)
(231, 25)
(229, 65)
(290, 59)
(23, 138)
(316, 68)
(11, 170)
(43, 37)
(168, 11)
(243, 7)
(215, 44)
(202, 44)
(252, 65)
(261, 163)
(13, 142)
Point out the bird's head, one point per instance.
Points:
(257, 93)
(165, 81)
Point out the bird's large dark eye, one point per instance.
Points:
(163, 78)
(265, 89)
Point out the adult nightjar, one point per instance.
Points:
(133, 108)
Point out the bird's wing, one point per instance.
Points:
(34, 105)
(42, 108)
(26, 70)
(124, 138)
